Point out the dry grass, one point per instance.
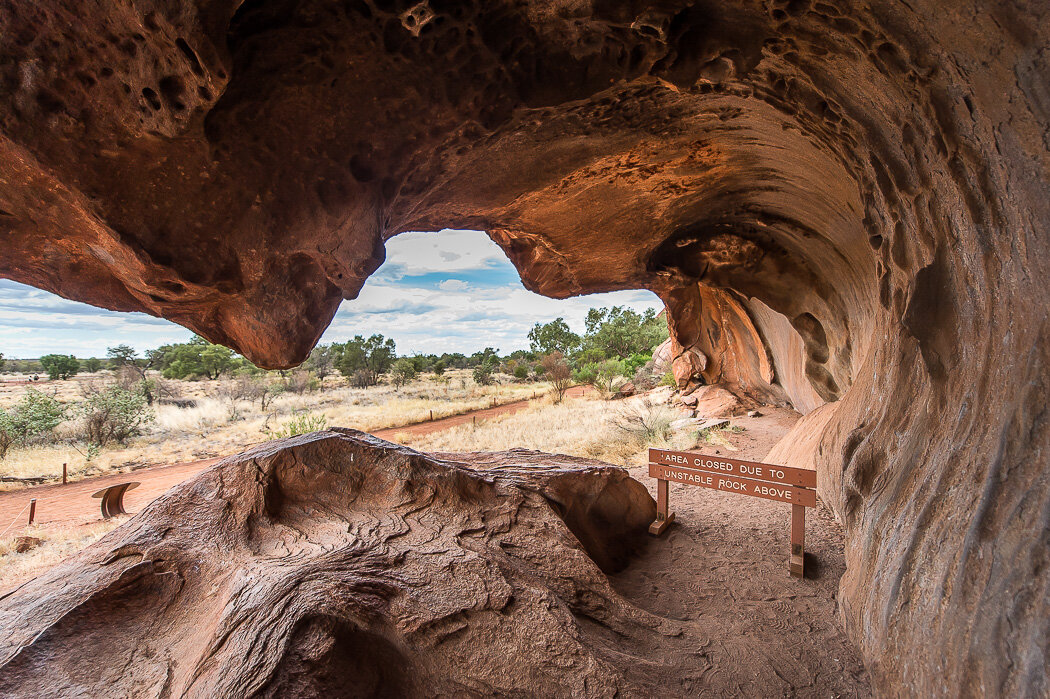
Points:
(587, 427)
(216, 426)
(59, 541)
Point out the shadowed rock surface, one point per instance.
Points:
(857, 195)
(340, 565)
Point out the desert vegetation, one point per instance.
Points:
(195, 400)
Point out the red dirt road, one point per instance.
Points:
(73, 503)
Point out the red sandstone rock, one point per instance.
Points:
(337, 562)
(875, 175)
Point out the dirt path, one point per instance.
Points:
(73, 503)
(720, 571)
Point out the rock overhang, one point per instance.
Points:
(855, 194)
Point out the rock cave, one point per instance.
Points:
(843, 207)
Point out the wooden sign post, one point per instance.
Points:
(782, 483)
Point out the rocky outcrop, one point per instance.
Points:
(341, 563)
(876, 174)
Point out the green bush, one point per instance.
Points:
(33, 418)
(483, 373)
(521, 371)
(114, 414)
(585, 375)
(635, 362)
(438, 368)
(668, 379)
(403, 371)
(60, 366)
(301, 423)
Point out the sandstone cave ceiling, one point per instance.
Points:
(852, 195)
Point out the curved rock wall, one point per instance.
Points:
(876, 174)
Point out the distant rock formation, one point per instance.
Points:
(337, 562)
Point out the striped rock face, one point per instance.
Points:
(844, 208)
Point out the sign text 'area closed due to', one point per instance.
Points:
(787, 475)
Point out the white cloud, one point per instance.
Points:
(448, 251)
(428, 316)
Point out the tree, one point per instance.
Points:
(126, 361)
(403, 372)
(438, 368)
(198, 357)
(621, 332)
(322, 361)
(608, 377)
(122, 355)
(92, 364)
(555, 336)
(215, 360)
(556, 371)
(372, 356)
(489, 355)
(483, 373)
(1, 361)
(60, 366)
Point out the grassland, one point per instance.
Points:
(216, 425)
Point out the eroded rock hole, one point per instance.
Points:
(191, 56)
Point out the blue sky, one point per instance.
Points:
(452, 291)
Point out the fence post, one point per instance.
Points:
(65, 473)
(32, 510)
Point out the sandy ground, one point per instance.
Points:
(747, 629)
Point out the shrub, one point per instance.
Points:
(636, 361)
(300, 382)
(557, 372)
(92, 365)
(521, 371)
(7, 434)
(483, 374)
(439, 367)
(403, 372)
(114, 414)
(668, 379)
(33, 418)
(643, 378)
(60, 366)
(608, 377)
(301, 423)
(646, 422)
(362, 378)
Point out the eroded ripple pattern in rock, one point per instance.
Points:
(341, 565)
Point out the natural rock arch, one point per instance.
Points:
(875, 175)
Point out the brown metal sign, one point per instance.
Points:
(735, 484)
(735, 467)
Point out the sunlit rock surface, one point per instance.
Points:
(865, 185)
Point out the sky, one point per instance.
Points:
(451, 291)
